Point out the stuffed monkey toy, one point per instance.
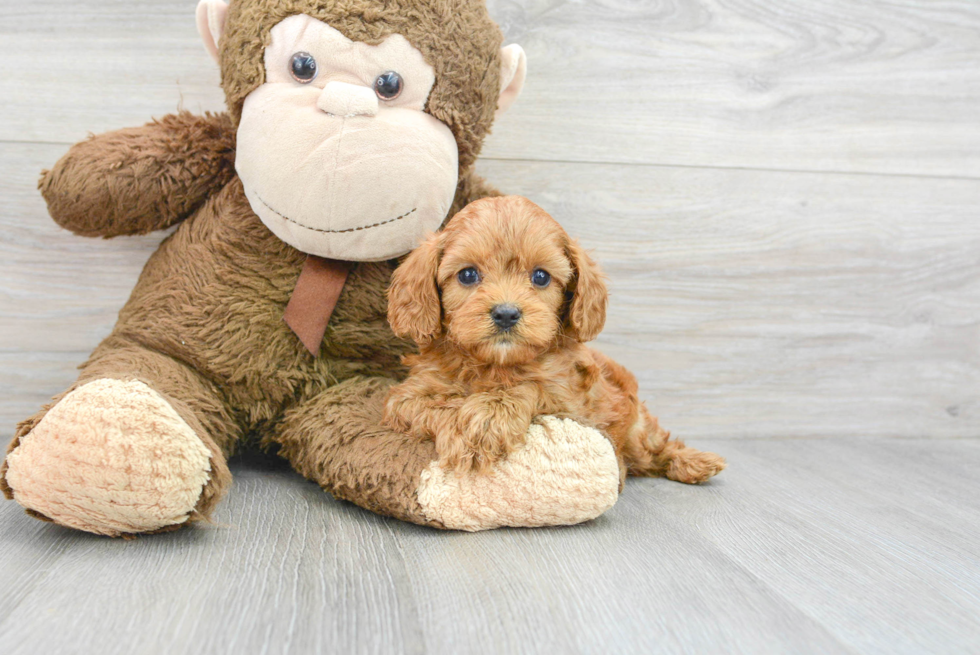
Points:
(352, 131)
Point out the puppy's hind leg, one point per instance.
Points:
(651, 452)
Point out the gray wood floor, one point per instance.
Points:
(809, 545)
(786, 197)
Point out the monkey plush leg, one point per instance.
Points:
(127, 449)
(564, 473)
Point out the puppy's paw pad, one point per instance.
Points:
(564, 473)
(112, 457)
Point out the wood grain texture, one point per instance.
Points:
(696, 146)
(876, 86)
(748, 303)
(808, 546)
(755, 303)
(827, 85)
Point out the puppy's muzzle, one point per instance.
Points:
(505, 316)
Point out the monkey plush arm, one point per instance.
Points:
(136, 180)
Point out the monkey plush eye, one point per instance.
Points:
(468, 276)
(540, 278)
(388, 85)
(303, 67)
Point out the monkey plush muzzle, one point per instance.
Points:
(335, 152)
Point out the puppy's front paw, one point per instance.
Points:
(488, 431)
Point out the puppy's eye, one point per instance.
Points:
(388, 85)
(540, 278)
(468, 276)
(303, 67)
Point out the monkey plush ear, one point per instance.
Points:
(586, 312)
(513, 69)
(211, 16)
(414, 308)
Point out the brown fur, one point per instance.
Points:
(203, 326)
(142, 179)
(475, 388)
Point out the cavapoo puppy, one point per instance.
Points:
(500, 303)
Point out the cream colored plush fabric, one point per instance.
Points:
(111, 457)
(513, 70)
(565, 473)
(211, 16)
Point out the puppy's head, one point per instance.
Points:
(510, 279)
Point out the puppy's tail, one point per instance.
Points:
(652, 453)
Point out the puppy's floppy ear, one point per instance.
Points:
(414, 309)
(586, 309)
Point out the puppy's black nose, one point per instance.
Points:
(505, 316)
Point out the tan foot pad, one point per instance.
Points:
(111, 457)
(562, 475)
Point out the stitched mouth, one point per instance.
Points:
(350, 229)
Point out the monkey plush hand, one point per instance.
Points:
(352, 131)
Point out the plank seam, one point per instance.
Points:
(749, 169)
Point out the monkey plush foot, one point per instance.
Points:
(564, 473)
(113, 458)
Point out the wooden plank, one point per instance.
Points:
(286, 568)
(624, 583)
(811, 546)
(74, 68)
(782, 304)
(848, 532)
(748, 303)
(888, 86)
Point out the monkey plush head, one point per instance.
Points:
(357, 118)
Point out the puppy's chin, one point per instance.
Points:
(503, 351)
(501, 348)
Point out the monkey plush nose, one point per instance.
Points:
(346, 100)
(505, 316)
